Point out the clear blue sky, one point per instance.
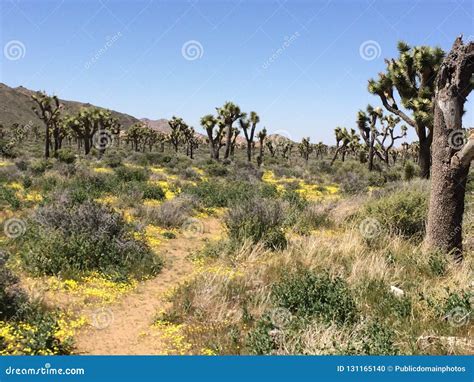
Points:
(128, 55)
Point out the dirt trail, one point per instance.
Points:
(128, 320)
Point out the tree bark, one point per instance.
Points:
(228, 141)
(450, 163)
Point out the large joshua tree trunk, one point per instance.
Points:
(450, 158)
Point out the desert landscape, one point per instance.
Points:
(130, 235)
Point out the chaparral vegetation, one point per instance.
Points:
(121, 237)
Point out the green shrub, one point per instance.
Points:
(131, 174)
(257, 220)
(459, 301)
(409, 171)
(9, 198)
(153, 191)
(66, 156)
(259, 341)
(353, 183)
(216, 169)
(113, 159)
(378, 339)
(90, 185)
(384, 303)
(32, 330)
(39, 166)
(305, 293)
(22, 164)
(67, 239)
(7, 149)
(170, 214)
(437, 262)
(402, 212)
(220, 193)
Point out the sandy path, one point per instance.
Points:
(128, 320)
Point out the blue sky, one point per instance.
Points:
(300, 64)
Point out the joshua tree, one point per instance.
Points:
(235, 134)
(271, 148)
(246, 125)
(136, 134)
(90, 121)
(347, 138)
(366, 122)
(178, 127)
(48, 110)
(261, 139)
(305, 148)
(412, 75)
(215, 132)
(321, 150)
(388, 139)
(227, 115)
(191, 141)
(284, 147)
(451, 155)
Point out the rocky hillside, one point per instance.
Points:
(16, 106)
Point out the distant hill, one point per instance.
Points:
(160, 125)
(16, 107)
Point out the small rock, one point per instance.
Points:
(397, 291)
